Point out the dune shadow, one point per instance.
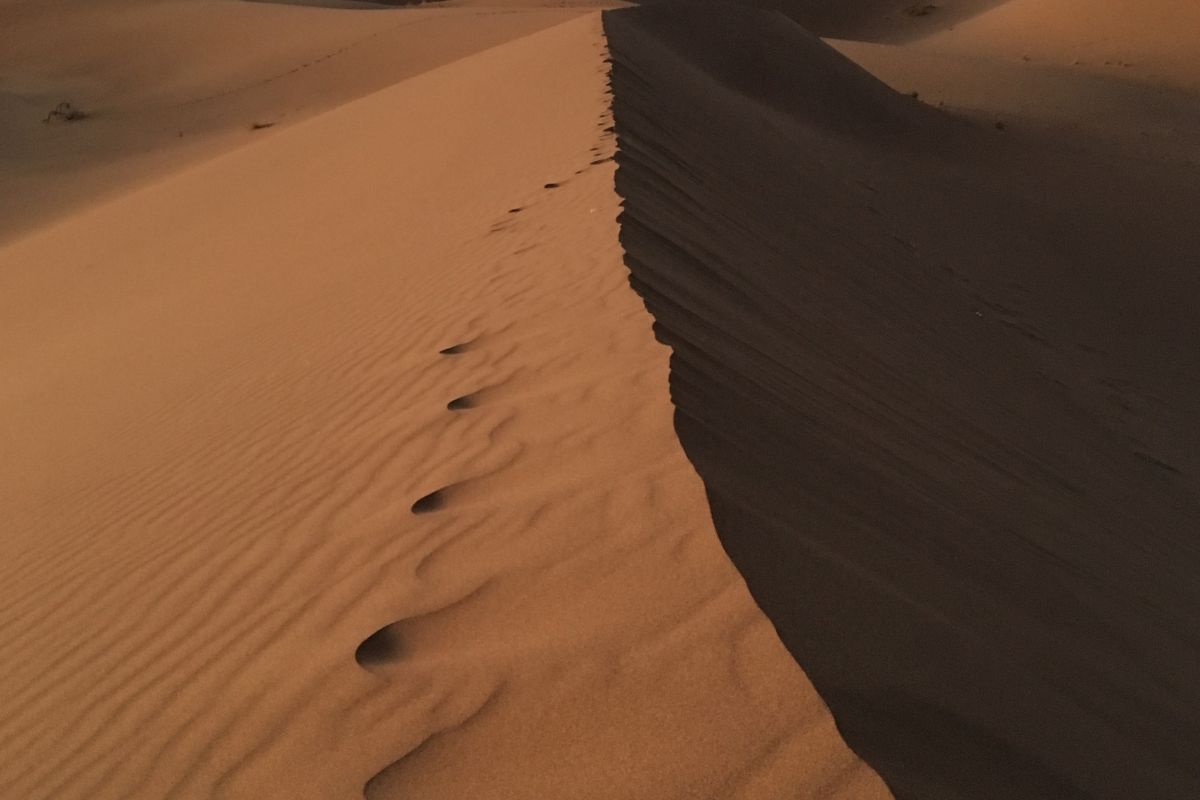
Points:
(364, 5)
(881, 21)
(992, 594)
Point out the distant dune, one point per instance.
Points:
(170, 83)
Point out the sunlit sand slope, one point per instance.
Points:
(344, 464)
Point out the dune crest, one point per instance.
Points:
(359, 478)
(404, 403)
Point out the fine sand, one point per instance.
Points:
(167, 83)
(526, 400)
(344, 464)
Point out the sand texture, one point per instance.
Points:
(581, 400)
(344, 464)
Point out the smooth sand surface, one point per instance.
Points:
(939, 376)
(1086, 74)
(343, 464)
(173, 82)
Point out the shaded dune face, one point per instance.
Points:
(992, 590)
(875, 20)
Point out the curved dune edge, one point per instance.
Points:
(904, 350)
(343, 465)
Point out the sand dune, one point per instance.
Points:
(938, 379)
(1086, 74)
(1152, 41)
(172, 83)
(344, 456)
(360, 477)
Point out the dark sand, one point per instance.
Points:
(939, 381)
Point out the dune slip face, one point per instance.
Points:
(876, 20)
(342, 465)
(904, 359)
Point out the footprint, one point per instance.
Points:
(401, 638)
(385, 783)
(430, 502)
(381, 647)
